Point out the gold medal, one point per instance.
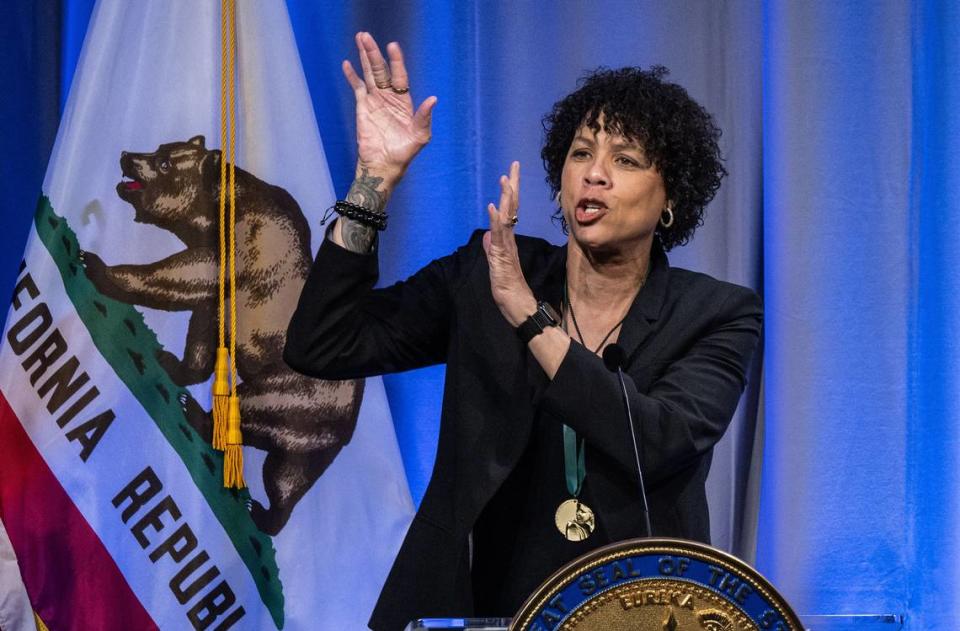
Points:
(575, 520)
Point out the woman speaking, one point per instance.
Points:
(535, 463)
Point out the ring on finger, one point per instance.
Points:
(512, 221)
(385, 85)
(397, 90)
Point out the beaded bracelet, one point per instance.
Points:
(357, 213)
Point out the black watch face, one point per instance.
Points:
(550, 312)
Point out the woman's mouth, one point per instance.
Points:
(590, 211)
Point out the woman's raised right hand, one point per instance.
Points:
(389, 132)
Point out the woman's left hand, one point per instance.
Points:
(510, 290)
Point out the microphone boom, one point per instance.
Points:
(614, 359)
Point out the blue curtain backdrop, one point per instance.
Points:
(842, 208)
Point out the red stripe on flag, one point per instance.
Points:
(72, 580)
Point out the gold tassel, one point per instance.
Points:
(40, 625)
(233, 456)
(221, 397)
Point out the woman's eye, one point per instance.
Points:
(580, 153)
(624, 160)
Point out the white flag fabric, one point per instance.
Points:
(16, 614)
(110, 491)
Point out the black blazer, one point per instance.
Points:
(688, 339)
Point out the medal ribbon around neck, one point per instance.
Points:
(574, 461)
(574, 519)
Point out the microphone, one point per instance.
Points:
(614, 358)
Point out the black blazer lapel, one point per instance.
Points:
(646, 307)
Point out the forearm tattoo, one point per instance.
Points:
(365, 191)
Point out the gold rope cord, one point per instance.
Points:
(221, 390)
(233, 199)
(230, 437)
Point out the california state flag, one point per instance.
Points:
(111, 495)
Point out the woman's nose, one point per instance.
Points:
(597, 174)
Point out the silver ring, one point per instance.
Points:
(512, 221)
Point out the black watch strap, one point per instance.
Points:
(544, 316)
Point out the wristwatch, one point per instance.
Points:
(544, 316)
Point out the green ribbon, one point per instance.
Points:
(573, 461)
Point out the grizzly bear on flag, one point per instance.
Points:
(301, 423)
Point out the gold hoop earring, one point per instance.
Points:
(666, 223)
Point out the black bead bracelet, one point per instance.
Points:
(359, 214)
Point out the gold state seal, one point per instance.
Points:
(656, 585)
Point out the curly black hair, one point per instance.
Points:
(678, 136)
